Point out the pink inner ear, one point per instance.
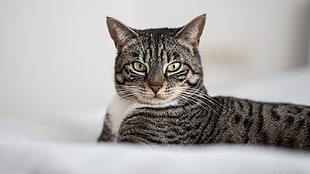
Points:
(115, 38)
(119, 32)
(193, 30)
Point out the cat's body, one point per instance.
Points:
(232, 121)
(161, 98)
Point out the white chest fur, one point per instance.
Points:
(119, 108)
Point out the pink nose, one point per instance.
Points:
(155, 87)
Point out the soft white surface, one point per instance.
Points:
(51, 158)
(64, 143)
(291, 87)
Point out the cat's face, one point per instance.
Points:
(157, 66)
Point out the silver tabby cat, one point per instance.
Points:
(161, 98)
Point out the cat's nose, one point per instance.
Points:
(155, 87)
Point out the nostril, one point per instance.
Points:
(155, 87)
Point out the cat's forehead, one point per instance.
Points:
(158, 36)
(156, 45)
(153, 47)
(160, 31)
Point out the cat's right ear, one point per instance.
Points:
(120, 33)
(192, 31)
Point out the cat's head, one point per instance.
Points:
(157, 66)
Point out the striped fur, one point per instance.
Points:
(161, 98)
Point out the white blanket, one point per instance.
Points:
(82, 158)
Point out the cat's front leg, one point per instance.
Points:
(106, 134)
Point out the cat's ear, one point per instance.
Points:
(119, 32)
(192, 31)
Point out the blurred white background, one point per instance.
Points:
(57, 55)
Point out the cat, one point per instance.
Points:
(161, 98)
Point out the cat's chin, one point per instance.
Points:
(154, 101)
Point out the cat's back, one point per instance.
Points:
(247, 121)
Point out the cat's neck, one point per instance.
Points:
(141, 105)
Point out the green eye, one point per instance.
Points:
(140, 67)
(173, 67)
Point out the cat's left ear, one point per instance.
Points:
(192, 31)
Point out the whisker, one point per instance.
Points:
(129, 96)
(208, 103)
(128, 86)
(205, 96)
(203, 105)
(188, 95)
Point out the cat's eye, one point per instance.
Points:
(173, 67)
(138, 66)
